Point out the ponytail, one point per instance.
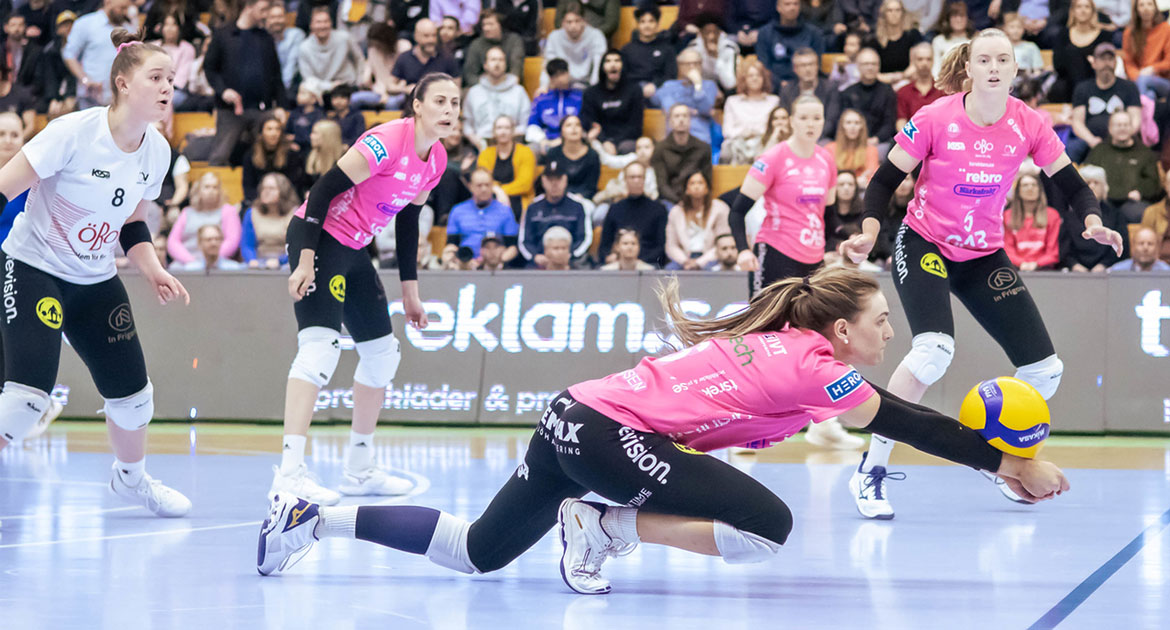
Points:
(812, 303)
(952, 76)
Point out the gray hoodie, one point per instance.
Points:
(486, 102)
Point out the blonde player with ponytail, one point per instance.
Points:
(970, 145)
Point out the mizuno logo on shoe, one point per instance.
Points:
(296, 517)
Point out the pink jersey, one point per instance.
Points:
(397, 176)
(795, 200)
(756, 389)
(967, 171)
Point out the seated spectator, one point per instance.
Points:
(462, 158)
(461, 258)
(472, 220)
(616, 189)
(54, 83)
(554, 208)
(1145, 50)
(1028, 57)
(953, 28)
(1073, 48)
(778, 129)
(453, 42)
(874, 99)
(1095, 100)
(745, 115)
(382, 53)
(626, 253)
(787, 32)
(387, 244)
(843, 216)
(423, 59)
(649, 56)
(612, 109)
(1080, 254)
(183, 54)
(210, 242)
(680, 153)
(638, 213)
(557, 250)
(859, 16)
(1157, 218)
(576, 159)
(302, 119)
(351, 121)
(852, 150)
(845, 72)
(726, 254)
(1031, 227)
(325, 149)
(603, 15)
(464, 13)
(511, 164)
(920, 91)
(493, 35)
(262, 244)
(496, 94)
(926, 13)
(580, 45)
(747, 19)
(329, 57)
(550, 108)
(1116, 13)
(272, 153)
(691, 90)
(1145, 254)
(1131, 167)
(491, 253)
(893, 37)
(17, 99)
(807, 67)
(718, 53)
(522, 17)
(208, 207)
(288, 42)
(692, 225)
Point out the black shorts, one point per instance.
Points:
(775, 266)
(989, 286)
(38, 307)
(347, 289)
(576, 450)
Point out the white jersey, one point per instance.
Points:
(87, 189)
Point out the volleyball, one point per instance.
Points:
(1009, 413)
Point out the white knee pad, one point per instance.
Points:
(20, 408)
(740, 547)
(1043, 375)
(929, 357)
(318, 350)
(448, 546)
(132, 412)
(378, 361)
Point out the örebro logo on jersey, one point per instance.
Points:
(984, 178)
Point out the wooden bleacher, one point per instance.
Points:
(727, 177)
(187, 122)
(654, 124)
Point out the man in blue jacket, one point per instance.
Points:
(550, 108)
(780, 39)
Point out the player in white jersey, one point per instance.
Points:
(90, 176)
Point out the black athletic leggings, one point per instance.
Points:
(346, 288)
(576, 450)
(775, 266)
(989, 286)
(38, 307)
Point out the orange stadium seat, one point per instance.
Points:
(232, 178)
(187, 122)
(438, 239)
(728, 177)
(828, 60)
(374, 118)
(607, 174)
(1046, 55)
(533, 66)
(654, 124)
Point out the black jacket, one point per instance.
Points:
(618, 111)
(225, 69)
(649, 63)
(643, 214)
(879, 105)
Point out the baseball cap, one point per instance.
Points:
(66, 16)
(554, 168)
(1105, 48)
(491, 237)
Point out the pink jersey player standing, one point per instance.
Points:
(971, 145)
(639, 438)
(386, 175)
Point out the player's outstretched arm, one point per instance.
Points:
(877, 202)
(1083, 202)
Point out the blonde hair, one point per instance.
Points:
(324, 157)
(850, 154)
(197, 199)
(1016, 206)
(952, 75)
(814, 303)
(1093, 21)
(884, 30)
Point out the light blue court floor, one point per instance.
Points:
(957, 556)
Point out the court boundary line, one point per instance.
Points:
(1096, 579)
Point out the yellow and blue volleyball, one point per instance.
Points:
(1009, 413)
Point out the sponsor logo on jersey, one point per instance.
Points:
(966, 190)
(400, 176)
(932, 264)
(376, 147)
(49, 312)
(773, 345)
(760, 166)
(953, 129)
(9, 290)
(844, 386)
(633, 380)
(557, 430)
(97, 236)
(337, 287)
(686, 449)
(646, 461)
(120, 318)
(1016, 128)
(742, 350)
(910, 129)
(143, 177)
(983, 146)
(100, 174)
(1002, 278)
(954, 145)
